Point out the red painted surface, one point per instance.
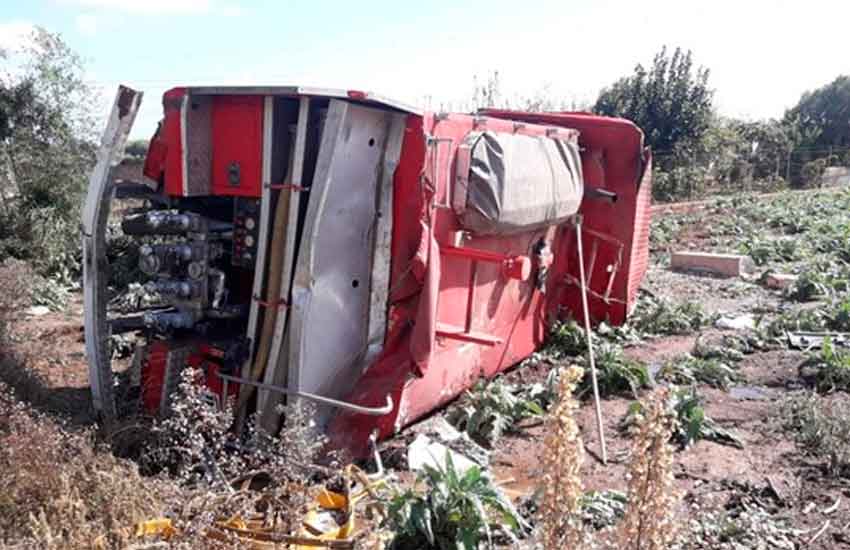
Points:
(237, 141)
(153, 376)
(172, 102)
(614, 159)
(154, 167)
(462, 308)
(154, 369)
(422, 367)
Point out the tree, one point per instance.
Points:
(822, 117)
(671, 102)
(47, 149)
(766, 146)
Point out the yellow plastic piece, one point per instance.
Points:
(160, 526)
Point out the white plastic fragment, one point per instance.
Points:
(37, 311)
(425, 452)
(741, 322)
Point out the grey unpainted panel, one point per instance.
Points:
(332, 289)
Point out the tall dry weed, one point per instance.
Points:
(652, 497)
(58, 490)
(560, 521)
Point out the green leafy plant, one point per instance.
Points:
(820, 280)
(693, 424)
(731, 348)
(654, 317)
(829, 368)
(615, 372)
(493, 408)
(603, 508)
(567, 338)
(838, 315)
(456, 510)
(688, 370)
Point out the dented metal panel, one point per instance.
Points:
(331, 296)
(95, 265)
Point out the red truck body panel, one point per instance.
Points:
(459, 306)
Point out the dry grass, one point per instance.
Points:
(648, 522)
(560, 518)
(59, 490)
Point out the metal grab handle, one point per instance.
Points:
(371, 411)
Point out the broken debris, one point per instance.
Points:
(741, 322)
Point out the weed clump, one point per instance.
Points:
(616, 373)
(195, 445)
(491, 409)
(825, 279)
(829, 369)
(61, 491)
(567, 338)
(657, 317)
(689, 370)
(456, 510)
(750, 527)
(821, 428)
(692, 422)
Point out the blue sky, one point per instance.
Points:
(763, 54)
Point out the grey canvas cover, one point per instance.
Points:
(508, 183)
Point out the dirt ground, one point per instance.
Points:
(769, 469)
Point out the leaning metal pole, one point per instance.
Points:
(589, 337)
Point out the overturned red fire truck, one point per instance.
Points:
(347, 249)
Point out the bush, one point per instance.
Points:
(679, 184)
(49, 149)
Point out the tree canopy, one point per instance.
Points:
(47, 149)
(671, 102)
(822, 117)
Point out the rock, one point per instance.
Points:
(425, 452)
(741, 322)
(779, 281)
(728, 265)
(37, 311)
